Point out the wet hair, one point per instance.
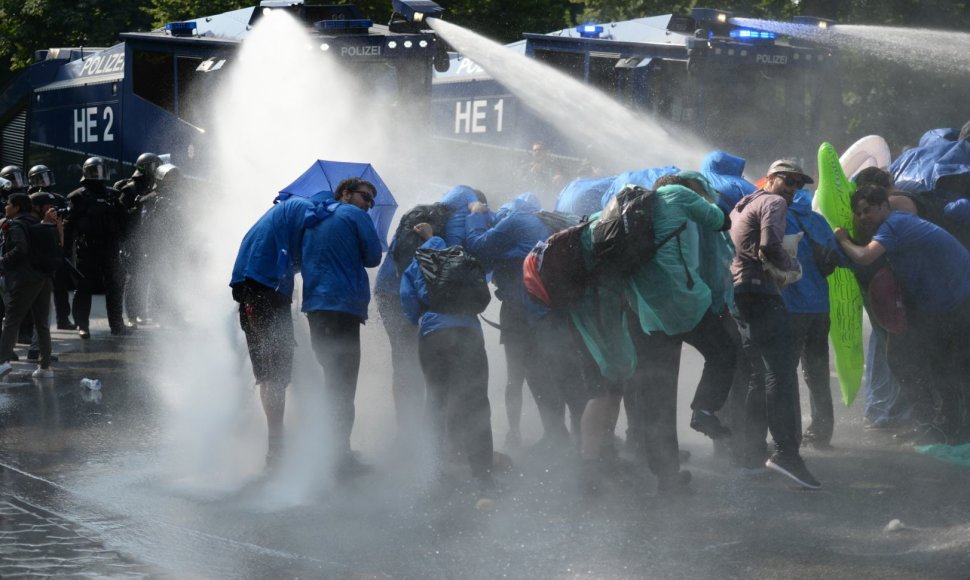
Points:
(353, 184)
(870, 193)
(21, 201)
(965, 132)
(480, 196)
(669, 179)
(874, 176)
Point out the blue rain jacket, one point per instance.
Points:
(270, 251)
(916, 170)
(644, 178)
(457, 200)
(335, 252)
(810, 295)
(583, 196)
(415, 301)
(502, 247)
(726, 174)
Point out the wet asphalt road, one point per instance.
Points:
(83, 492)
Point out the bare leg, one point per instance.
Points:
(598, 424)
(273, 397)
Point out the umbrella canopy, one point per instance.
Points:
(319, 181)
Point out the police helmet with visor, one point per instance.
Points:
(15, 175)
(40, 176)
(94, 169)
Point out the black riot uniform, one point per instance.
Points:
(133, 191)
(94, 231)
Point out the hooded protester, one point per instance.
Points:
(262, 284)
(583, 196)
(502, 247)
(725, 172)
(807, 300)
(452, 354)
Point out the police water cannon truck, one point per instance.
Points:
(742, 89)
(150, 91)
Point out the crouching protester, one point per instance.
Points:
(927, 343)
(452, 352)
(262, 284)
(31, 253)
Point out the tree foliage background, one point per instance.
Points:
(877, 95)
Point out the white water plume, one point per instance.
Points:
(920, 48)
(286, 104)
(579, 111)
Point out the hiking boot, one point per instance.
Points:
(791, 465)
(708, 424)
(675, 484)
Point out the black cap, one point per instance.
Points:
(42, 198)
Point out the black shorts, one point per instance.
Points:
(265, 318)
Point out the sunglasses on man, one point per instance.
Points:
(366, 196)
(793, 181)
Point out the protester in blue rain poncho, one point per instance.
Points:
(262, 283)
(457, 200)
(502, 247)
(583, 196)
(336, 293)
(936, 175)
(452, 354)
(645, 178)
(808, 302)
(725, 172)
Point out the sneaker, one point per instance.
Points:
(84, 334)
(5, 369)
(708, 424)
(42, 373)
(34, 356)
(792, 466)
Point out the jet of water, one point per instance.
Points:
(579, 111)
(919, 48)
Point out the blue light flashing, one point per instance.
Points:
(749, 34)
(354, 24)
(590, 30)
(181, 27)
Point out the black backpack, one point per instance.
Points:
(624, 239)
(44, 246)
(455, 279)
(406, 241)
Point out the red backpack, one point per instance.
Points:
(555, 272)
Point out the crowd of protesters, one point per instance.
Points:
(738, 271)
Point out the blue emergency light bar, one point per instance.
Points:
(181, 28)
(748, 34)
(344, 25)
(590, 30)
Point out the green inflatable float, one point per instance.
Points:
(832, 200)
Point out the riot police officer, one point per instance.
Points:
(133, 192)
(40, 179)
(162, 213)
(93, 231)
(15, 175)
